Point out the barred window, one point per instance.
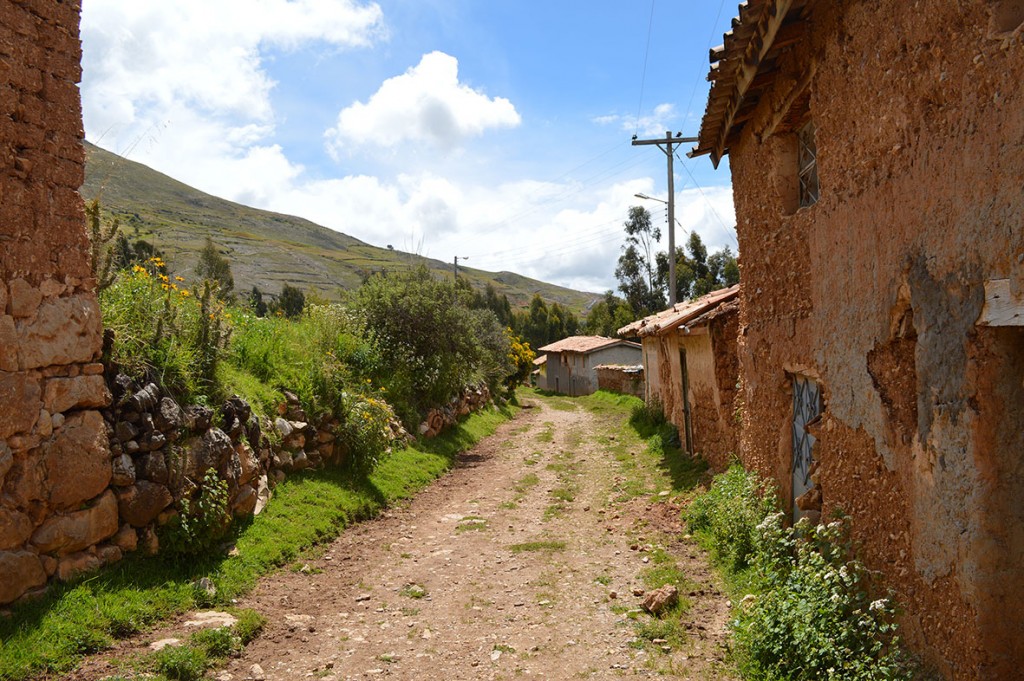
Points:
(807, 159)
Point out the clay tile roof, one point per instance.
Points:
(540, 359)
(582, 344)
(680, 313)
(744, 66)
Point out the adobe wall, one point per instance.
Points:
(712, 375)
(621, 379)
(54, 458)
(875, 291)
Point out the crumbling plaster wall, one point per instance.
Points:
(875, 291)
(54, 458)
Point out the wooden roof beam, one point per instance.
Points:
(772, 16)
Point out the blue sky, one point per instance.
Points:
(494, 130)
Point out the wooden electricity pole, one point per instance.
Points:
(667, 144)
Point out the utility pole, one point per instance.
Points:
(457, 266)
(667, 145)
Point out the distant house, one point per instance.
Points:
(572, 362)
(689, 353)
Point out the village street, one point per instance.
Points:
(520, 563)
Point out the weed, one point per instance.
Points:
(181, 663)
(217, 643)
(250, 624)
(413, 591)
(526, 482)
(200, 522)
(549, 546)
(730, 512)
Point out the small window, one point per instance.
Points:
(807, 160)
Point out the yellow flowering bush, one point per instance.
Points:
(165, 332)
(521, 355)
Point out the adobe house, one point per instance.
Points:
(571, 362)
(690, 361)
(877, 159)
(55, 464)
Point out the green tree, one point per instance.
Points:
(292, 301)
(535, 327)
(636, 269)
(608, 315)
(697, 273)
(214, 266)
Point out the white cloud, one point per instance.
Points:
(140, 57)
(182, 87)
(653, 124)
(426, 103)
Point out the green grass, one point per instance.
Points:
(526, 482)
(531, 546)
(49, 636)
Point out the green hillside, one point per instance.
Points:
(266, 249)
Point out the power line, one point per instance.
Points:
(700, 67)
(708, 201)
(643, 74)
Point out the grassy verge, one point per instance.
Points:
(51, 635)
(650, 461)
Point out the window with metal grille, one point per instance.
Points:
(807, 160)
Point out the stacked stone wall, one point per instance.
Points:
(874, 292)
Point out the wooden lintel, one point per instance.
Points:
(693, 331)
(781, 110)
(772, 17)
(1002, 308)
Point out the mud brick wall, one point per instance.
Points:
(621, 379)
(54, 458)
(874, 292)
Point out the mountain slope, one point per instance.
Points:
(266, 249)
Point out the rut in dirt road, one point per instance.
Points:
(518, 563)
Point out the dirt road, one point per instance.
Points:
(522, 562)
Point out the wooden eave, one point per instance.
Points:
(744, 66)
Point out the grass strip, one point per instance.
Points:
(50, 636)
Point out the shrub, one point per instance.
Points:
(292, 301)
(814, 618)
(200, 522)
(428, 344)
(811, 616)
(322, 358)
(730, 512)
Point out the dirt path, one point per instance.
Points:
(518, 563)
